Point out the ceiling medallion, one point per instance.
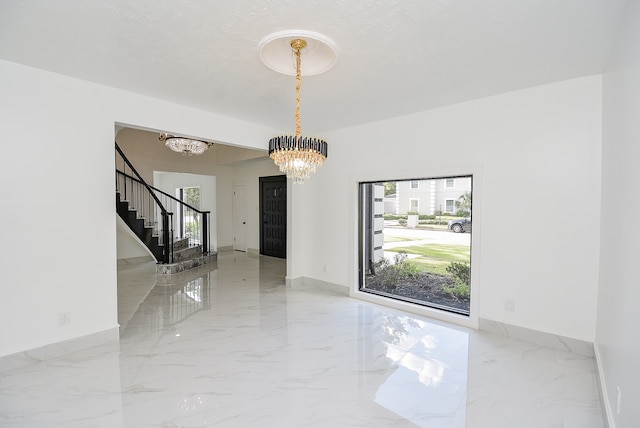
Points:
(295, 155)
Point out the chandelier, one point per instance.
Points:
(184, 145)
(296, 155)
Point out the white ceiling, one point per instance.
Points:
(394, 56)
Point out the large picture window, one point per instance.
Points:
(428, 262)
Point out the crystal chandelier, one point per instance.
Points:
(184, 145)
(298, 156)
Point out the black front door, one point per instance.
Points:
(273, 208)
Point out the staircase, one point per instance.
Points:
(185, 257)
(145, 231)
(144, 209)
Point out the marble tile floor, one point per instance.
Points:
(230, 346)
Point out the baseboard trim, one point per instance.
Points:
(336, 288)
(305, 282)
(549, 340)
(294, 282)
(58, 349)
(604, 394)
(134, 261)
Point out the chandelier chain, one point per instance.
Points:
(298, 87)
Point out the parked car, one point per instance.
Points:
(460, 225)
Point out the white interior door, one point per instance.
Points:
(240, 218)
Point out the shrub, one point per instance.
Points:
(460, 271)
(463, 213)
(412, 213)
(405, 268)
(462, 276)
(392, 216)
(390, 273)
(426, 217)
(457, 290)
(402, 222)
(441, 222)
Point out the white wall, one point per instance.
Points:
(617, 341)
(168, 182)
(63, 256)
(538, 152)
(248, 174)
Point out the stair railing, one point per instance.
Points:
(143, 199)
(191, 223)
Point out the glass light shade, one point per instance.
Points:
(298, 157)
(186, 146)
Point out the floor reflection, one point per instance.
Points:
(426, 382)
(232, 346)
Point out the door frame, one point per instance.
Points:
(272, 178)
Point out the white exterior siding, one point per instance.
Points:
(432, 195)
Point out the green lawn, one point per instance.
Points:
(436, 257)
(388, 238)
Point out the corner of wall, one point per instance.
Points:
(604, 393)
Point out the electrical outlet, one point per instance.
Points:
(64, 318)
(509, 305)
